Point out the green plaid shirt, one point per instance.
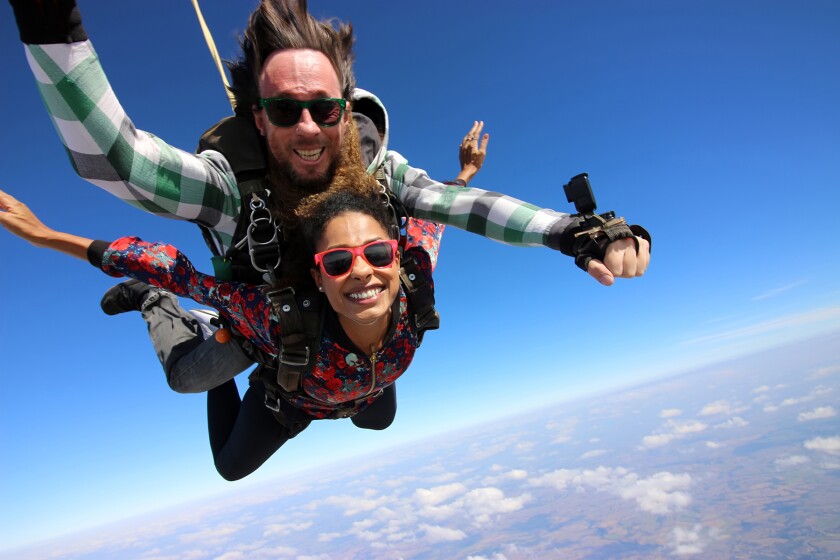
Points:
(106, 149)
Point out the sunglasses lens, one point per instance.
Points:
(337, 262)
(379, 254)
(325, 112)
(283, 112)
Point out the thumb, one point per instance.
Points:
(599, 272)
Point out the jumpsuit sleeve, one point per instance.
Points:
(489, 214)
(107, 150)
(163, 266)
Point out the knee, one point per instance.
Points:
(231, 473)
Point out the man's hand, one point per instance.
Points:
(621, 260)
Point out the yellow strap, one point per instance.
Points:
(213, 52)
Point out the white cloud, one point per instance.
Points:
(687, 541)
(717, 407)
(670, 413)
(438, 494)
(792, 461)
(482, 503)
(776, 291)
(734, 422)
(684, 428)
(771, 408)
(672, 430)
(212, 535)
(812, 317)
(436, 533)
(796, 400)
(713, 445)
(593, 453)
(830, 445)
(817, 414)
(762, 389)
(657, 440)
(279, 529)
(825, 371)
(353, 505)
(661, 493)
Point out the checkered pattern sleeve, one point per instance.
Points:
(490, 214)
(107, 150)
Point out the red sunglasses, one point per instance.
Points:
(339, 261)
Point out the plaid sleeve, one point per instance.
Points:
(490, 214)
(107, 150)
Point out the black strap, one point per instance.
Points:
(301, 321)
(421, 298)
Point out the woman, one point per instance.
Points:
(367, 341)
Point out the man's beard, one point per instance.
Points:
(282, 176)
(288, 188)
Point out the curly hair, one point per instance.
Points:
(352, 190)
(278, 25)
(304, 215)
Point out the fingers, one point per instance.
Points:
(624, 261)
(484, 141)
(599, 272)
(7, 201)
(473, 134)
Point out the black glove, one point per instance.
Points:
(44, 22)
(594, 242)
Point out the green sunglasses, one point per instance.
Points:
(286, 112)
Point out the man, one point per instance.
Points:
(295, 80)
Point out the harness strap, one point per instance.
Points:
(421, 298)
(301, 323)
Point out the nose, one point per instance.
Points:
(306, 126)
(361, 268)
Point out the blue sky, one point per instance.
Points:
(713, 124)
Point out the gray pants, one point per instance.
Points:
(194, 362)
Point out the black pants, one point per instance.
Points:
(244, 433)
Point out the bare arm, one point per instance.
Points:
(16, 217)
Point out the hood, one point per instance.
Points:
(367, 104)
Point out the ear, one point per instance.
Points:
(258, 116)
(316, 275)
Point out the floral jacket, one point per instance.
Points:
(344, 379)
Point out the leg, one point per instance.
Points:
(193, 362)
(243, 434)
(380, 414)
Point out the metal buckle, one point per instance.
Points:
(272, 406)
(295, 359)
(260, 215)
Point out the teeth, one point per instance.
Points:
(309, 155)
(365, 294)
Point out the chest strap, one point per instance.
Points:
(421, 298)
(301, 321)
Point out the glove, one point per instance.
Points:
(585, 242)
(44, 22)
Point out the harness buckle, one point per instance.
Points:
(272, 404)
(294, 358)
